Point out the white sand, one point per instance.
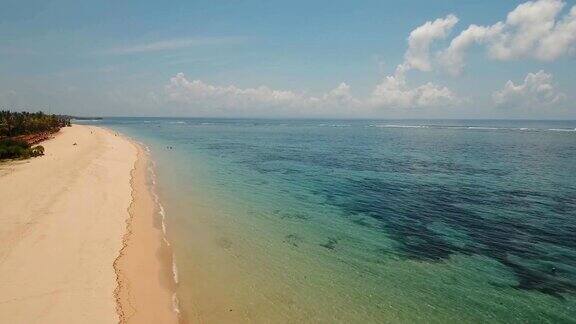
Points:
(62, 218)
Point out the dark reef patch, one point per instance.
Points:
(330, 244)
(361, 222)
(433, 193)
(294, 216)
(224, 243)
(293, 239)
(407, 212)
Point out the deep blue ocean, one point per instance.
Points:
(368, 220)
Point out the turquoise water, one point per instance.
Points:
(368, 221)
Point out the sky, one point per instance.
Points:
(489, 59)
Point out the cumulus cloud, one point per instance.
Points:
(182, 90)
(340, 96)
(533, 29)
(561, 41)
(537, 91)
(393, 92)
(524, 29)
(453, 57)
(418, 54)
(264, 100)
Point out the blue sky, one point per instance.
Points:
(291, 58)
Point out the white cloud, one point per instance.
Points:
(340, 96)
(532, 30)
(537, 91)
(525, 28)
(418, 54)
(453, 57)
(210, 99)
(172, 44)
(393, 92)
(561, 41)
(182, 90)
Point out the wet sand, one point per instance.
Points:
(145, 293)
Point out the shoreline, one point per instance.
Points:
(145, 246)
(80, 234)
(167, 246)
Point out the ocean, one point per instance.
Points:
(367, 221)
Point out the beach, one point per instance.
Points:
(371, 221)
(79, 238)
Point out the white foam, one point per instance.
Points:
(162, 213)
(174, 270)
(86, 120)
(523, 129)
(402, 126)
(483, 128)
(562, 130)
(334, 125)
(175, 304)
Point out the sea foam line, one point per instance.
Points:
(162, 213)
(487, 128)
(562, 130)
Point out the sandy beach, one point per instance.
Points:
(79, 239)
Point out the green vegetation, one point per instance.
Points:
(25, 123)
(20, 130)
(14, 149)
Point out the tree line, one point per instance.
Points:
(19, 130)
(25, 123)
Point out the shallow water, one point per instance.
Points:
(368, 221)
